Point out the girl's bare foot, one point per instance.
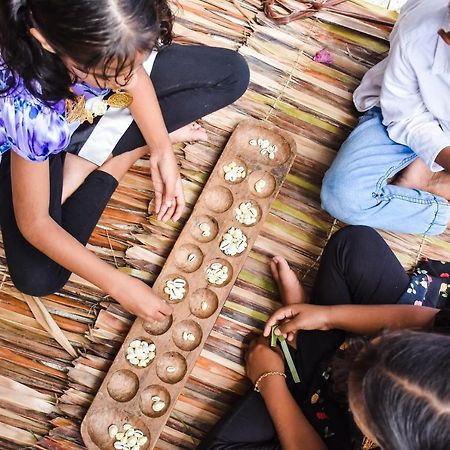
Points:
(418, 176)
(290, 288)
(191, 132)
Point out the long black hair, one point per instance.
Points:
(401, 383)
(101, 34)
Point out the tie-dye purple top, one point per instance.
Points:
(31, 128)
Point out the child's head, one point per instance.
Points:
(399, 391)
(55, 41)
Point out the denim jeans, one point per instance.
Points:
(355, 189)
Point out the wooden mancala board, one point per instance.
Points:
(143, 397)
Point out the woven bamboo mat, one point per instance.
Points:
(44, 392)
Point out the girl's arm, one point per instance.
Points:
(293, 429)
(169, 198)
(31, 193)
(359, 319)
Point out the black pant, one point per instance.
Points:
(190, 81)
(357, 267)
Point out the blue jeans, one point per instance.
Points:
(355, 188)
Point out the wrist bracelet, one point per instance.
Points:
(267, 374)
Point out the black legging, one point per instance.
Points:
(191, 82)
(357, 266)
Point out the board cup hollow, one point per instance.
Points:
(218, 199)
(268, 178)
(189, 258)
(158, 328)
(171, 367)
(146, 403)
(187, 335)
(198, 234)
(240, 163)
(101, 419)
(203, 303)
(123, 385)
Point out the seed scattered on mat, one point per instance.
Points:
(217, 273)
(129, 439)
(260, 185)
(141, 353)
(175, 289)
(246, 214)
(234, 241)
(234, 172)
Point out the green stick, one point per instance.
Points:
(274, 339)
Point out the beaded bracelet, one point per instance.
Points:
(267, 374)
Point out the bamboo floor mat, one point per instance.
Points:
(44, 392)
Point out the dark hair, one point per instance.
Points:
(402, 383)
(92, 33)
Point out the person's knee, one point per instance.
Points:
(338, 198)
(39, 283)
(239, 74)
(355, 235)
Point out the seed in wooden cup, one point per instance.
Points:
(217, 273)
(234, 242)
(234, 172)
(246, 213)
(175, 289)
(260, 185)
(141, 353)
(171, 369)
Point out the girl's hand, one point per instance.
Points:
(139, 299)
(299, 316)
(261, 358)
(169, 196)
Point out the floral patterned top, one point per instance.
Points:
(31, 128)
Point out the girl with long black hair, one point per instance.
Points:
(86, 88)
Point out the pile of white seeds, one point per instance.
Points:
(175, 289)
(217, 273)
(234, 172)
(265, 147)
(157, 404)
(129, 439)
(141, 353)
(234, 241)
(246, 213)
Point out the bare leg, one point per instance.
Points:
(291, 290)
(418, 176)
(76, 169)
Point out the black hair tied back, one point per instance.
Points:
(100, 35)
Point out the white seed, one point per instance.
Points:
(136, 447)
(253, 142)
(112, 431)
(156, 398)
(158, 406)
(171, 369)
(185, 335)
(142, 440)
(204, 306)
(191, 337)
(192, 257)
(204, 226)
(260, 185)
(120, 436)
(233, 242)
(233, 172)
(175, 289)
(118, 446)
